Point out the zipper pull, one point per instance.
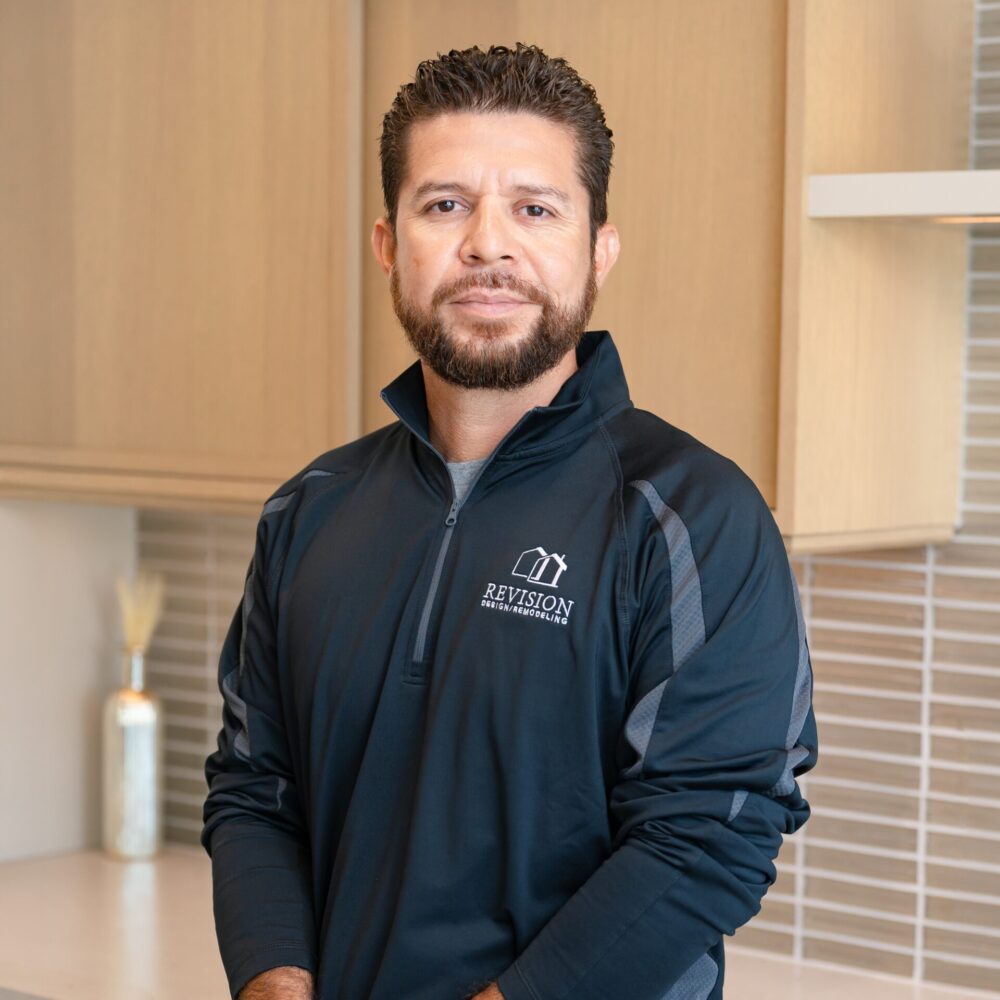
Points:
(453, 513)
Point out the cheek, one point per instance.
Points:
(412, 275)
(421, 267)
(426, 274)
(563, 278)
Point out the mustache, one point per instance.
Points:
(491, 279)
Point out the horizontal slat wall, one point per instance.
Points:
(986, 110)
(204, 560)
(898, 869)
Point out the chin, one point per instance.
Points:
(488, 329)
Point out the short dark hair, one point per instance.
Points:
(502, 80)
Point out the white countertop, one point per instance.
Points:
(83, 926)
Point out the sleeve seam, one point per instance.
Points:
(284, 555)
(249, 871)
(527, 985)
(679, 873)
(281, 944)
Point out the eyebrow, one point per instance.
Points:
(542, 190)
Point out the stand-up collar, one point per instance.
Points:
(595, 390)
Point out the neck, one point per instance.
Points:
(469, 423)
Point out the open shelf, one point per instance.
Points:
(960, 196)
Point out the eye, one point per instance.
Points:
(447, 201)
(539, 214)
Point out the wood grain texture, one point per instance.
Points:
(185, 263)
(179, 271)
(873, 311)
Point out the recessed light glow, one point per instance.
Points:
(960, 219)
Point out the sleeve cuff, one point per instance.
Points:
(513, 985)
(270, 958)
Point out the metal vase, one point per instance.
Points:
(132, 749)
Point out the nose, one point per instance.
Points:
(489, 236)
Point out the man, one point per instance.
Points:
(519, 687)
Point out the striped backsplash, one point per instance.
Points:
(204, 560)
(898, 870)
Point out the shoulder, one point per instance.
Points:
(315, 476)
(674, 471)
(284, 509)
(701, 534)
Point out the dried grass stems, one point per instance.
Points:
(141, 604)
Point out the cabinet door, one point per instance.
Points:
(178, 317)
(694, 94)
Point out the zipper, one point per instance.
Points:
(425, 617)
(450, 520)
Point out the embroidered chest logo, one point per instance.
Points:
(539, 567)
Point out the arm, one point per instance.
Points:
(254, 829)
(719, 723)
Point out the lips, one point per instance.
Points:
(491, 299)
(477, 304)
(488, 294)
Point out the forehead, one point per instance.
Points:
(480, 147)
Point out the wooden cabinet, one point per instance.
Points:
(188, 193)
(873, 311)
(178, 261)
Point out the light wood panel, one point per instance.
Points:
(185, 261)
(694, 93)
(874, 311)
(180, 195)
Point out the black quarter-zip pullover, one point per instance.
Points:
(547, 734)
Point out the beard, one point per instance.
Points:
(491, 358)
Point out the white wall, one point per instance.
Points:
(59, 635)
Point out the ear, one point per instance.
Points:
(384, 243)
(606, 248)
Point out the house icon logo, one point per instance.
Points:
(540, 566)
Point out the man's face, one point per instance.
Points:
(490, 267)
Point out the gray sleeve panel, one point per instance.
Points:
(697, 983)
(687, 626)
(686, 617)
(253, 818)
(688, 635)
(801, 704)
(280, 502)
(230, 681)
